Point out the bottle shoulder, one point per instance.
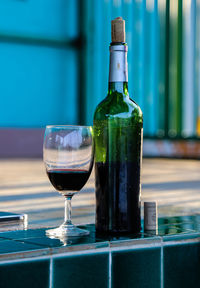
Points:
(121, 107)
(102, 109)
(136, 107)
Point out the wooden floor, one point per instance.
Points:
(24, 188)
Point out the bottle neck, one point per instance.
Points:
(118, 72)
(120, 87)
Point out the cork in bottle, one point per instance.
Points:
(118, 30)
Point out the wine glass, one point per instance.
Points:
(68, 158)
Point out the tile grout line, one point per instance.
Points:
(182, 241)
(80, 252)
(21, 260)
(161, 266)
(135, 247)
(110, 269)
(51, 273)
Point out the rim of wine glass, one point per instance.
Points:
(67, 126)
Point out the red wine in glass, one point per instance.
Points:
(68, 179)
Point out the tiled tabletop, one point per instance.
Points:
(20, 243)
(25, 188)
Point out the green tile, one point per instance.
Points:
(89, 227)
(23, 234)
(196, 218)
(181, 235)
(182, 222)
(116, 238)
(83, 271)
(136, 268)
(197, 226)
(3, 239)
(47, 241)
(181, 226)
(175, 220)
(120, 238)
(143, 239)
(182, 266)
(51, 243)
(196, 222)
(11, 246)
(175, 232)
(31, 274)
(39, 237)
(185, 226)
(167, 230)
(44, 242)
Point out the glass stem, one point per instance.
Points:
(68, 210)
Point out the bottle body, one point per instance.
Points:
(118, 128)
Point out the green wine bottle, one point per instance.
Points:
(118, 132)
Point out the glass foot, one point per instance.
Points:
(66, 231)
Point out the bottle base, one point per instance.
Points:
(117, 233)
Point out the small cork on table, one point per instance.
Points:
(118, 30)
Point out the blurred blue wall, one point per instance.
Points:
(54, 59)
(38, 62)
(163, 37)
